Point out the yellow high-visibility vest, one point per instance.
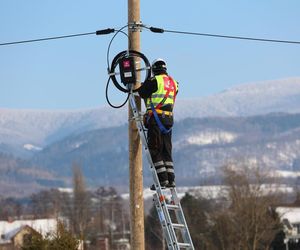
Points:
(164, 85)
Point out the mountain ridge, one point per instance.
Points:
(201, 146)
(19, 128)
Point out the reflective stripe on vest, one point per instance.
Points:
(163, 86)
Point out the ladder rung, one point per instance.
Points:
(179, 226)
(184, 245)
(166, 200)
(172, 207)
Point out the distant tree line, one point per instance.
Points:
(85, 215)
(241, 218)
(244, 218)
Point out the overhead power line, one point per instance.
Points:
(47, 38)
(160, 30)
(98, 32)
(155, 30)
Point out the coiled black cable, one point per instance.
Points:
(109, 69)
(107, 99)
(115, 62)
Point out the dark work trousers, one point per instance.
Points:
(160, 147)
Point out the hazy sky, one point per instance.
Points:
(71, 73)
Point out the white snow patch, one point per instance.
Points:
(271, 145)
(213, 191)
(31, 147)
(209, 192)
(287, 174)
(211, 137)
(78, 144)
(65, 190)
(292, 214)
(43, 226)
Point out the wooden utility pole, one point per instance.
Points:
(135, 147)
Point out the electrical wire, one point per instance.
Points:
(107, 56)
(108, 48)
(109, 69)
(155, 30)
(160, 30)
(98, 32)
(109, 102)
(48, 38)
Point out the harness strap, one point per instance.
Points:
(159, 123)
(161, 112)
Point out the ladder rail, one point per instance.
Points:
(159, 198)
(170, 231)
(181, 219)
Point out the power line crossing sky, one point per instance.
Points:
(71, 73)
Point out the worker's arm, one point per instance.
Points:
(147, 88)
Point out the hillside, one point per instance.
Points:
(25, 131)
(201, 146)
(248, 100)
(20, 178)
(255, 123)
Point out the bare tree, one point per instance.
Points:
(46, 203)
(248, 221)
(81, 204)
(9, 207)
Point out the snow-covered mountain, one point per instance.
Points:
(41, 127)
(21, 128)
(246, 100)
(201, 146)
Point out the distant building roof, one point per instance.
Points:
(292, 214)
(9, 229)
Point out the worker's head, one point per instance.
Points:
(159, 66)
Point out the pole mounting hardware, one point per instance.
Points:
(135, 26)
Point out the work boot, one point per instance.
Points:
(163, 185)
(171, 184)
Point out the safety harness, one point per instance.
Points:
(156, 110)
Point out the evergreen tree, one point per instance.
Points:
(196, 215)
(154, 238)
(61, 239)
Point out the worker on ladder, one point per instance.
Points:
(159, 93)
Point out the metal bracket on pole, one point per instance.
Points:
(135, 26)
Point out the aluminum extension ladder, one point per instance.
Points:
(166, 201)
